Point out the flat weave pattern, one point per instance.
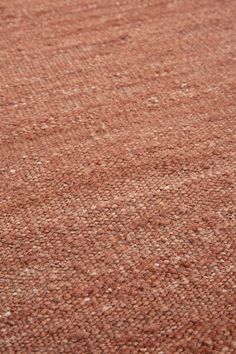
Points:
(117, 176)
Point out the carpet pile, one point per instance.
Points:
(117, 171)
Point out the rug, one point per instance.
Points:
(118, 160)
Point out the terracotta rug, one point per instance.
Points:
(117, 162)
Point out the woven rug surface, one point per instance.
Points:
(117, 176)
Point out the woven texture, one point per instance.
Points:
(117, 165)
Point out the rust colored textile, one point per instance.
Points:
(117, 167)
